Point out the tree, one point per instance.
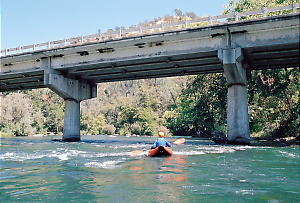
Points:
(191, 15)
(91, 122)
(16, 114)
(178, 12)
(53, 110)
(249, 5)
(202, 106)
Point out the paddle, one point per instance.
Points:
(179, 141)
(136, 153)
(139, 152)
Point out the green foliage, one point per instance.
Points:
(147, 102)
(202, 105)
(125, 130)
(91, 123)
(137, 120)
(148, 118)
(127, 115)
(274, 102)
(16, 114)
(250, 5)
(136, 128)
(32, 111)
(108, 129)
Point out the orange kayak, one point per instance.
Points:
(160, 151)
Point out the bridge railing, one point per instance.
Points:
(138, 31)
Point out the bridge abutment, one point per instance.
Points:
(237, 104)
(73, 91)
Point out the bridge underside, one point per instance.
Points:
(159, 66)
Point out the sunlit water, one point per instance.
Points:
(100, 169)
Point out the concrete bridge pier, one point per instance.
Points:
(73, 92)
(71, 131)
(237, 104)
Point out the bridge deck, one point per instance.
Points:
(271, 42)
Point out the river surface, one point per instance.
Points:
(100, 169)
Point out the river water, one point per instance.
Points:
(100, 169)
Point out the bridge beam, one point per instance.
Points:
(237, 104)
(73, 92)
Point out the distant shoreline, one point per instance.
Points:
(255, 141)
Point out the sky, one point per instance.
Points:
(27, 22)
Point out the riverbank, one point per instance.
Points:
(278, 142)
(255, 141)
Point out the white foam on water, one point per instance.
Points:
(188, 152)
(291, 155)
(216, 150)
(60, 153)
(132, 146)
(112, 154)
(63, 157)
(66, 154)
(106, 164)
(245, 192)
(6, 155)
(10, 156)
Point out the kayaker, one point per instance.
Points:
(161, 141)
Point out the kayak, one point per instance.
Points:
(160, 151)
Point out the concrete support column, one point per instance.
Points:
(237, 105)
(237, 115)
(73, 92)
(71, 121)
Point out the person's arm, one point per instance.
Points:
(168, 144)
(154, 145)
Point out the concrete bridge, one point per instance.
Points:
(235, 48)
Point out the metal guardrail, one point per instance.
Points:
(138, 31)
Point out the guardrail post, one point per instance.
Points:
(162, 27)
(100, 34)
(185, 23)
(34, 47)
(236, 16)
(140, 29)
(294, 7)
(120, 33)
(265, 11)
(210, 20)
